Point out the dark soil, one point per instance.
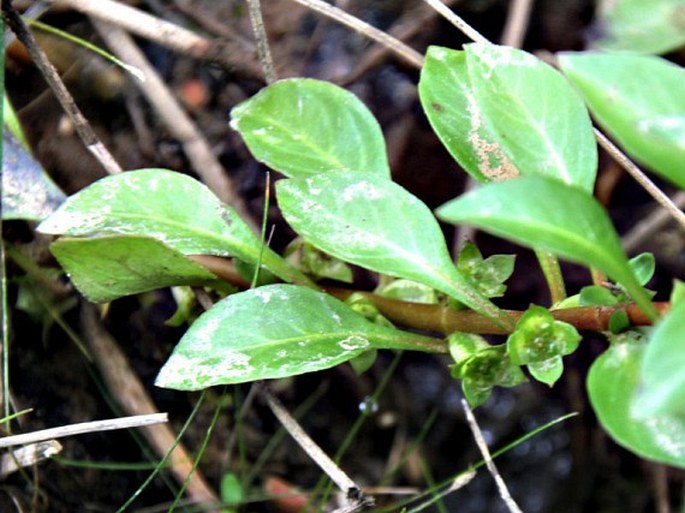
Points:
(571, 467)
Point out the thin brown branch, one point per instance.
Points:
(179, 124)
(81, 124)
(455, 20)
(641, 178)
(485, 452)
(353, 492)
(407, 53)
(412, 23)
(516, 26)
(447, 320)
(255, 9)
(82, 428)
(651, 224)
(165, 33)
(132, 397)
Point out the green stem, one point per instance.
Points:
(555, 281)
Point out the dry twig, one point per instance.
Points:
(649, 225)
(407, 53)
(81, 124)
(179, 124)
(516, 26)
(259, 31)
(121, 380)
(353, 492)
(641, 178)
(485, 452)
(83, 427)
(162, 32)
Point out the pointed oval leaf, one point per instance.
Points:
(663, 369)
(546, 213)
(642, 27)
(302, 127)
(640, 100)
(374, 223)
(273, 332)
(27, 191)
(534, 113)
(107, 268)
(612, 383)
(170, 207)
(449, 102)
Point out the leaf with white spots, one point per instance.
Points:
(302, 127)
(449, 102)
(107, 268)
(613, 382)
(533, 113)
(550, 215)
(170, 207)
(273, 332)
(502, 112)
(372, 222)
(640, 100)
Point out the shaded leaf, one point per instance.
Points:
(640, 100)
(644, 27)
(273, 332)
(107, 268)
(612, 383)
(545, 213)
(487, 275)
(374, 223)
(314, 262)
(170, 207)
(408, 290)
(547, 371)
(663, 369)
(27, 191)
(449, 102)
(533, 113)
(302, 127)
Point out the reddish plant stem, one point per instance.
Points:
(445, 320)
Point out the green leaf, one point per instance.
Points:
(619, 321)
(678, 293)
(312, 261)
(534, 114)
(539, 338)
(487, 368)
(643, 266)
(593, 295)
(232, 492)
(170, 207)
(612, 383)
(302, 127)
(27, 191)
(364, 361)
(362, 305)
(408, 290)
(273, 332)
(663, 369)
(640, 100)
(545, 213)
(547, 371)
(107, 268)
(448, 100)
(374, 223)
(643, 27)
(462, 346)
(487, 275)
